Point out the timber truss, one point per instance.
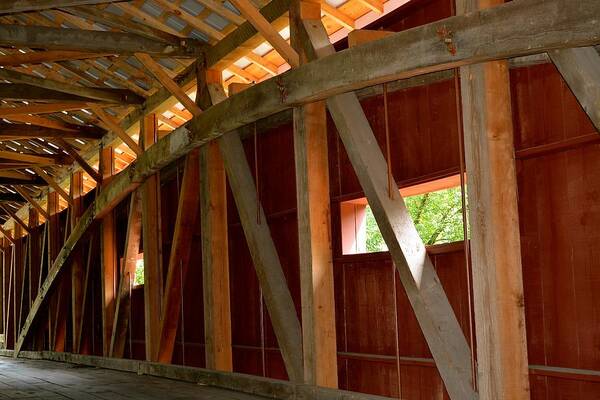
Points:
(211, 143)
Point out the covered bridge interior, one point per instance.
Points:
(300, 199)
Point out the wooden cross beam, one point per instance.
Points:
(94, 41)
(23, 193)
(43, 122)
(116, 128)
(168, 83)
(121, 23)
(77, 157)
(49, 108)
(7, 235)
(16, 218)
(276, 294)
(269, 33)
(25, 131)
(17, 6)
(32, 158)
(580, 68)
(106, 95)
(53, 184)
(38, 57)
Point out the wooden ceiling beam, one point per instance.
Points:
(101, 94)
(24, 131)
(160, 74)
(49, 108)
(191, 19)
(53, 184)
(51, 38)
(7, 235)
(338, 16)
(44, 122)
(21, 91)
(121, 23)
(263, 26)
(117, 129)
(82, 163)
(28, 198)
(14, 216)
(38, 57)
(34, 158)
(17, 6)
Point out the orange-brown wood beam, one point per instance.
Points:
(215, 260)
(151, 234)
(31, 201)
(109, 269)
(314, 224)
(215, 253)
(502, 362)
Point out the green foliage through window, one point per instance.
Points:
(437, 216)
(139, 272)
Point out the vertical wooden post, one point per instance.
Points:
(494, 219)
(215, 253)
(151, 234)
(109, 269)
(77, 267)
(314, 224)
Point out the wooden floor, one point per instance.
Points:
(26, 379)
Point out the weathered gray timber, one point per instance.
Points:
(15, 6)
(94, 41)
(107, 95)
(580, 67)
(264, 255)
(536, 26)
